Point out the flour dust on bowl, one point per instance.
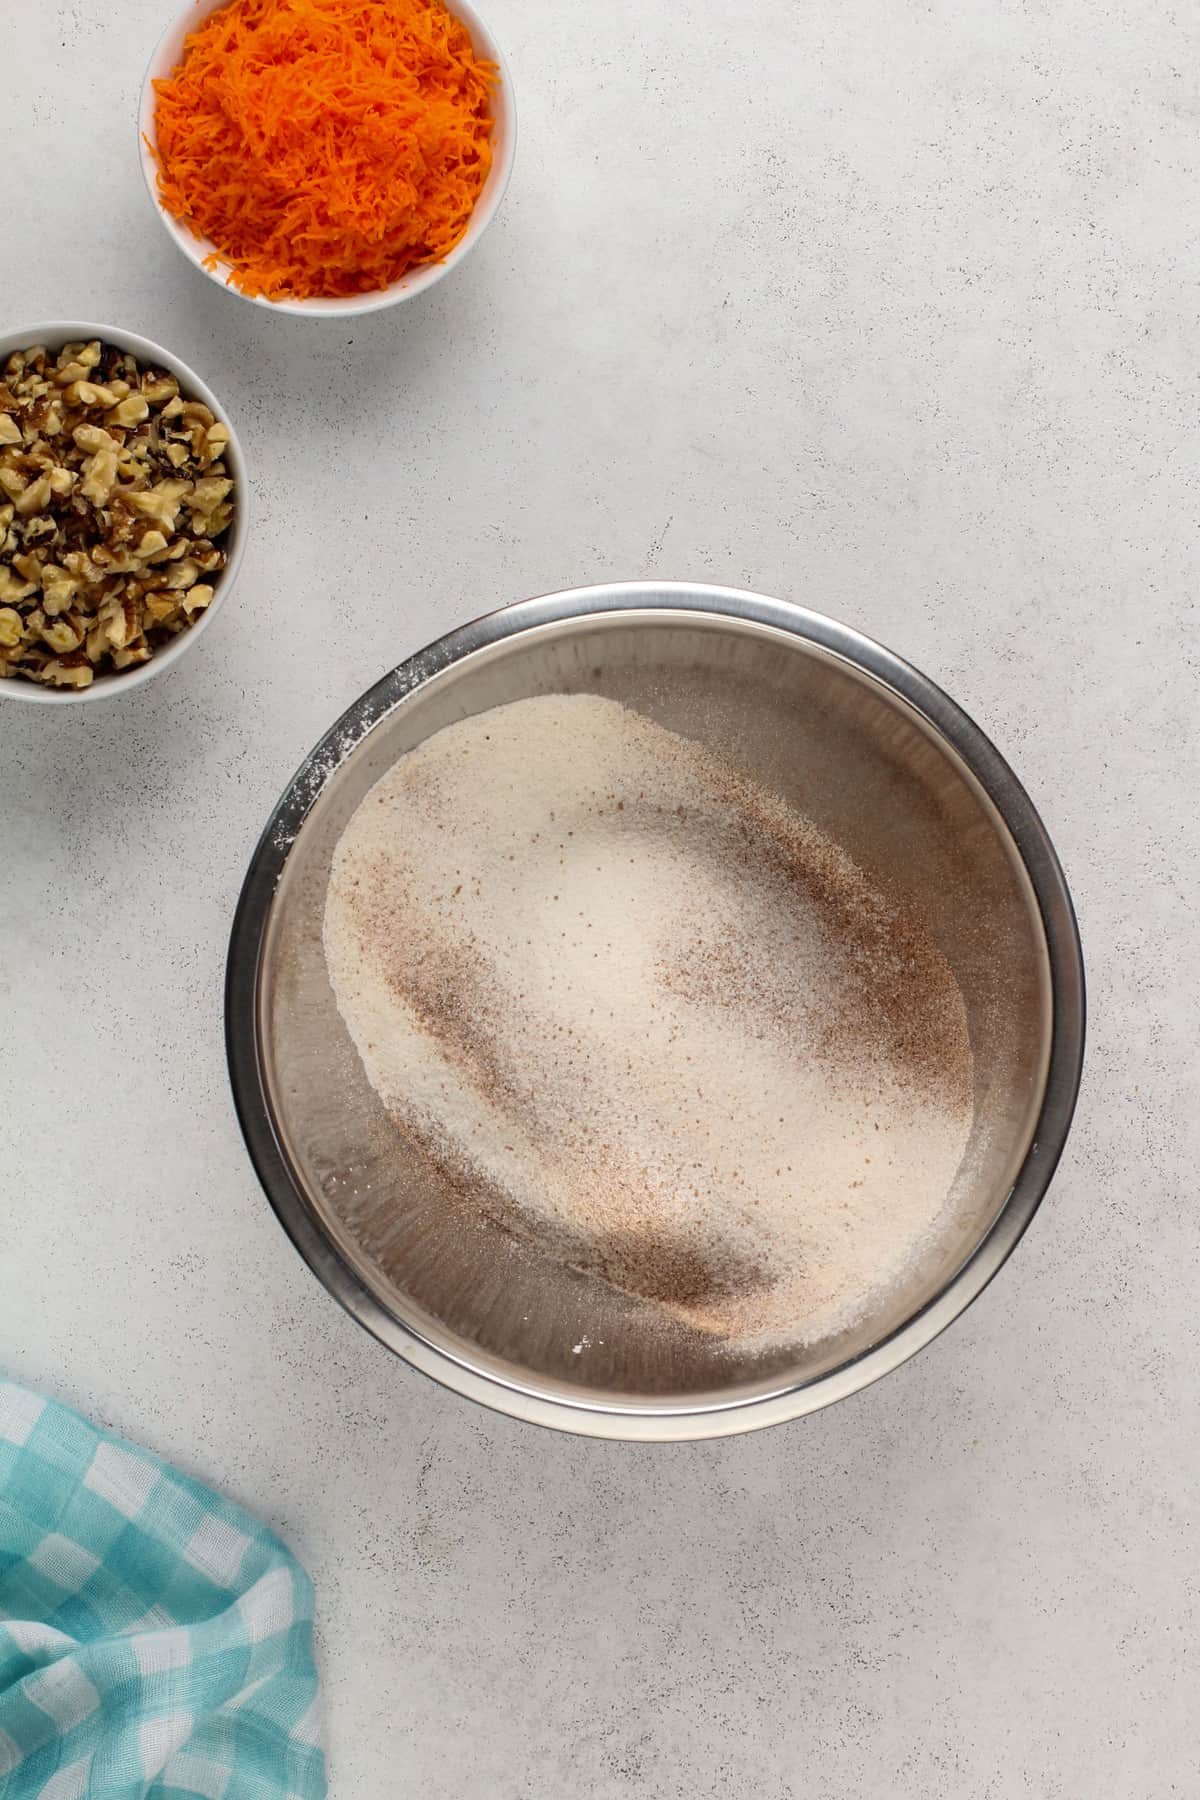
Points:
(655, 1011)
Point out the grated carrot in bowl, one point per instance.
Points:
(325, 147)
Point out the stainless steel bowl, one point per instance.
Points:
(887, 765)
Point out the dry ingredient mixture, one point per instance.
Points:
(113, 492)
(326, 147)
(660, 1025)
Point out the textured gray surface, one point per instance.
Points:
(884, 306)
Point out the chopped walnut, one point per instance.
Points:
(113, 490)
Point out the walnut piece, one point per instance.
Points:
(113, 492)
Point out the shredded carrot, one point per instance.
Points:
(325, 146)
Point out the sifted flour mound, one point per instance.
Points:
(655, 1020)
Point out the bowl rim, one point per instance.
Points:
(54, 334)
(658, 1421)
(349, 306)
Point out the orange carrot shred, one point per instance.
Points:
(325, 147)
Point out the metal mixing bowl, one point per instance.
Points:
(884, 763)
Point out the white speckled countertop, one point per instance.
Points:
(886, 306)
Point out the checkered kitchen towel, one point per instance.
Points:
(154, 1640)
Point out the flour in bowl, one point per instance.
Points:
(649, 1017)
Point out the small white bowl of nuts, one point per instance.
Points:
(122, 511)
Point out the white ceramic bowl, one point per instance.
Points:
(126, 681)
(504, 143)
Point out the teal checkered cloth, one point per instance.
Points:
(154, 1639)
